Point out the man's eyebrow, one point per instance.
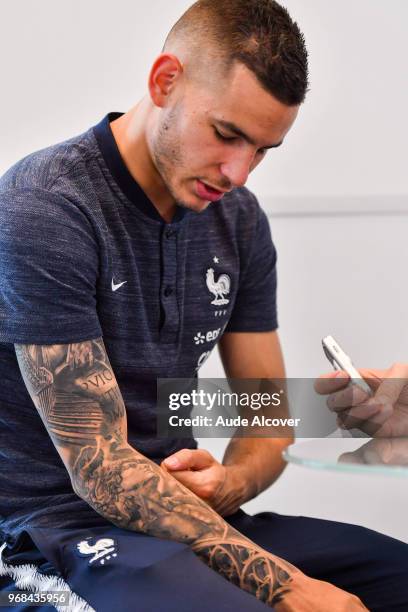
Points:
(236, 130)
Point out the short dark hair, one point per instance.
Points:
(257, 33)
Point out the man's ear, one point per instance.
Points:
(165, 72)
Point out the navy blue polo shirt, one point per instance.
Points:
(85, 254)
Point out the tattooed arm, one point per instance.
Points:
(77, 396)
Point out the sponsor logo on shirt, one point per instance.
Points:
(203, 357)
(210, 336)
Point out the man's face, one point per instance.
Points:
(210, 138)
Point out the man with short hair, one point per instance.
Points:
(110, 244)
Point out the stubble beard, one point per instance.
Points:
(168, 157)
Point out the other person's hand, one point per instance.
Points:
(383, 415)
(380, 451)
(216, 484)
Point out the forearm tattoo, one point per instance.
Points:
(75, 391)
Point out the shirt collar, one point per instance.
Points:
(117, 167)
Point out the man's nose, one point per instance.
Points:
(237, 169)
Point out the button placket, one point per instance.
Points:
(169, 331)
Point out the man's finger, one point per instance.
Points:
(190, 479)
(189, 459)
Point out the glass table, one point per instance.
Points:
(385, 456)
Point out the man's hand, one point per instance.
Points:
(310, 595)
(199, 471)
(216, 484)
(383, 415)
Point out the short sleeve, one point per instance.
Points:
(255, 305)
(48, 270)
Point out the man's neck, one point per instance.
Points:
(129, 132)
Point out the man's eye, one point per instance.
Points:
(223, 137)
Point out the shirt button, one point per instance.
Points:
(168, 291)
(170, 233)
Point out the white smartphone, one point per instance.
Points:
(341, 361)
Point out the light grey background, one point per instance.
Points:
(336, 193)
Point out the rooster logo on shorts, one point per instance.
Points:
(103, 550)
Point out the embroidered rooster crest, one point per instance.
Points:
(219, 288)
(102, 550)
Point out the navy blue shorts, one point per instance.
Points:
(108, 568)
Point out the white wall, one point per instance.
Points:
(351, 137)
(340, 275)
(65, 64)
